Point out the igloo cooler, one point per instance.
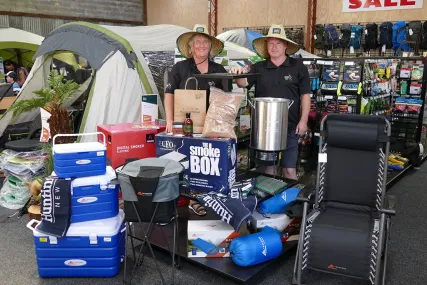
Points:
(89, 249)
(94, 197)
(72, 160)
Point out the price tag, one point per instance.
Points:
(349, 63)
(366, 32)
(383, 48)
(307, 62)
(411, 32)
(342, 98)
(328, 63)
(329, 97)
(351, 50)
(329, 53)
(323, 158)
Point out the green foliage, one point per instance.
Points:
(52, 97)
(49, 163)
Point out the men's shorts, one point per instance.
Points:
(290, 155)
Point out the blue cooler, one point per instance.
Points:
(90, 249)
(73, 160)
(95, 197)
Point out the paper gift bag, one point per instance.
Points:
(191, 101)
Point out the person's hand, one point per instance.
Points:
(301, 128)
(169, 126)
(238, 70)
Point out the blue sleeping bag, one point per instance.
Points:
(256, 248)
(278, 203)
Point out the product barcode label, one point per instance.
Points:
(100, 153)
(107, 239)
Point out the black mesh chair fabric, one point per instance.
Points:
(341, 234)
(351, 176)
(353, 148)
(31, 142)
(340, 242)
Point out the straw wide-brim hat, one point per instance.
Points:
(184, 48)
(278, 32)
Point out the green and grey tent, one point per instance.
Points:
(122, 74)
(19, 46)
(116, 87)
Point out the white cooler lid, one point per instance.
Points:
(78, 147)
(106, 227)
(95, 180)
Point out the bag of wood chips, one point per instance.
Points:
(220, 119)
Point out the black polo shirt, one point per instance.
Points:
(182, 70)
(290, 80)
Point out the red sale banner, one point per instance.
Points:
(378, 5)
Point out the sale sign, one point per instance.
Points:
(378, 5)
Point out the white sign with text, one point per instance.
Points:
(380, 5)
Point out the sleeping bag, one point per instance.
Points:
(278, 203)
(256, 248)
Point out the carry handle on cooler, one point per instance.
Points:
(31, 225)
(78, 135)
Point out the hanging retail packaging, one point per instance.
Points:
(73, 160)
(209, 238)
(129, 141)
(212, 162)
(90, 249)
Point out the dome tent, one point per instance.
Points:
(116, 87)
(122, 74)
(243, 37)
(19, 46)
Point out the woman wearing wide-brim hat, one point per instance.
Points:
(198, 47)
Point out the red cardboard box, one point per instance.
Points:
(129, 140)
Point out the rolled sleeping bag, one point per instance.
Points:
(278, 203)
(256, 248)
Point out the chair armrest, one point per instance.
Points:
(305, 193)
(389, 205)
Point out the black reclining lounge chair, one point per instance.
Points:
(347, 230)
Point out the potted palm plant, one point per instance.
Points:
(52, 99)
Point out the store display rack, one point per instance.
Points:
(380, 92)
(338, 52)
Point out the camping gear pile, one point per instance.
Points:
(20, 169)
(82, 227)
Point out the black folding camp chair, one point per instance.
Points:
(347, 230)
(150, 190)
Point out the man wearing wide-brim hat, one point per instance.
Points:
(282, 77)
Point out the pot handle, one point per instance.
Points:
(250, 103)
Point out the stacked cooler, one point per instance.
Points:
(94, 245)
